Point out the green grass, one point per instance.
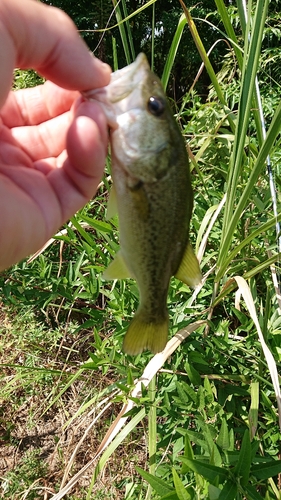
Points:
(210, 430)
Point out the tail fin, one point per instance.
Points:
(142, 335)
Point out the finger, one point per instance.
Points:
(36, 105)
(77, 180)
(49, 138)
(42, 203)
(44, 140)
(44, 38)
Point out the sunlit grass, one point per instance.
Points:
(211, 429)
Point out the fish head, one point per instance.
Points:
(143, 135)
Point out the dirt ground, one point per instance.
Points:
(27, 426)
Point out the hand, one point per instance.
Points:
(52, 145)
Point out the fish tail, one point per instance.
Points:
(142, 335)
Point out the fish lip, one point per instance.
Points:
(117, 90)
(129, 72)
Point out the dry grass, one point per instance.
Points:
(26, 427)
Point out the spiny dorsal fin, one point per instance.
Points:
(189, 270)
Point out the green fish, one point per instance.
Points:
(153, 196)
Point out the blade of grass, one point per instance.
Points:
(254, 234)
(152, 433)
(122, 30)
(137, 11)
(254, 409)
(246, 292)
(229, 30)
(173, 51)
(112, 447)
(259, 165)
(203, 54)
(250, 66)
(113, 436)
(129, 31)
(152, 36)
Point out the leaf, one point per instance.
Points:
(170, 496)
(173, 51)
(246, 292)
(182, 395)
(266, 470)
(161, 487)
(252, 493)
(223, 438)
(254, 408)
(214, 492)
(193, 374)
(98, 225)
(188, 453)
(180, 488)
(242, 469)
(209, 391)
(209, 472)
(229, 491)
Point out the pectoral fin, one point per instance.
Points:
(117, 269)
(189, 270)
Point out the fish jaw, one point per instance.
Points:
(112, 98)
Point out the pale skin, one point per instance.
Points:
(52, 144)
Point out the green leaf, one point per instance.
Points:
(252, 493)
(242, 469)
(161, 487)
(188, 453)
(208, 389)
(193, 374)
(209, 472)
(254, 409)
(229, 491)
(173, 51)
(223, 438)
(87, 237)
(266, 470)
(98, 225)
(180, 488)
(170, 496)
(214, 492)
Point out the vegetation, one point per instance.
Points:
(203, 421)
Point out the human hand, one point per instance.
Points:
(52, 151)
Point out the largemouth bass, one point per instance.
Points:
(153, 196)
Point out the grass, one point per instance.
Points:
(207, 425)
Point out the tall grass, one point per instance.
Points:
(206, 407)
(220, 470)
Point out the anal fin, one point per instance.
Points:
(189, 270)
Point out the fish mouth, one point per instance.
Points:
(125, 80)
(122, 83)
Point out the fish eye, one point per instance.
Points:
(156, 106)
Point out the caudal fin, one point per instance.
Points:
(142, 335)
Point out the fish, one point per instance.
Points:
(152, 195)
